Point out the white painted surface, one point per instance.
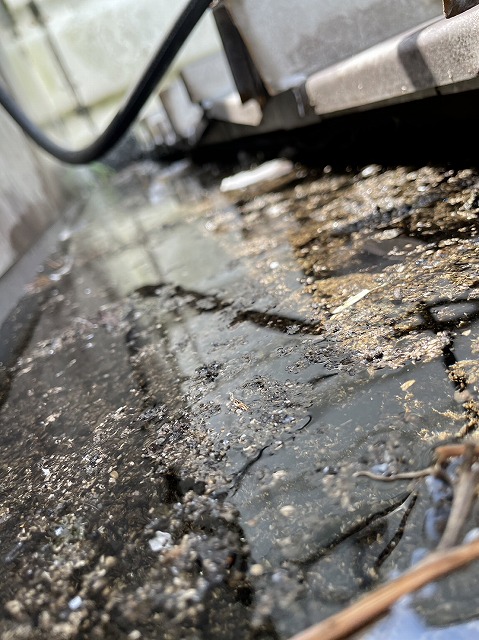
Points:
(104, 47)
(184, 115)
(29, 194)
(289, 40)
(208, 78)
(390, 71)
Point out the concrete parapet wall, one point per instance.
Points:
(102, 48)
(31, 195)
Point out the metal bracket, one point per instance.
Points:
(455, 7)
(247, 79)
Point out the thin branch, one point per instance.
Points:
(454, 451)
(407, 475)
(438, 564)
(442, 453)
(464, 494)
(371, 606)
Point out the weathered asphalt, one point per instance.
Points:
(190, 385)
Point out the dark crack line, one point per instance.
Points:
(16, 333)
(432, 324)
(277, 322)
(342, 536)
(265, 319)
(460, 382)
(392, 544)
(155, 290)
(379, 219)
(240, 475)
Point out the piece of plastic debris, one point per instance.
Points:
(162, 540)
(75, 603)
(271, 170)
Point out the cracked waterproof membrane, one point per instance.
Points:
(180, 434)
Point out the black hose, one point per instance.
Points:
(126, 115)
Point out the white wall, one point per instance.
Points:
(31, 197)
(290, 39)
(104, 45)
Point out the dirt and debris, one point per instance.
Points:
(185, 405)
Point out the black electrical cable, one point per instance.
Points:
(156, 70)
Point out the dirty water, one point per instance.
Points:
(189, 387)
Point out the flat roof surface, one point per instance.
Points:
(193, 382)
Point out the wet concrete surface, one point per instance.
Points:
(189, 386)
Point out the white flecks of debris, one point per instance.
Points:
(256, 570)
(271, 170)
(352, 301)
(370, 170)
(75, 603)
(162, 540)
(407, 385)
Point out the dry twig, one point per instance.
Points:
(446, 451)
(464, 494)
(408, 475)
(437, 565)
(371, 606)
